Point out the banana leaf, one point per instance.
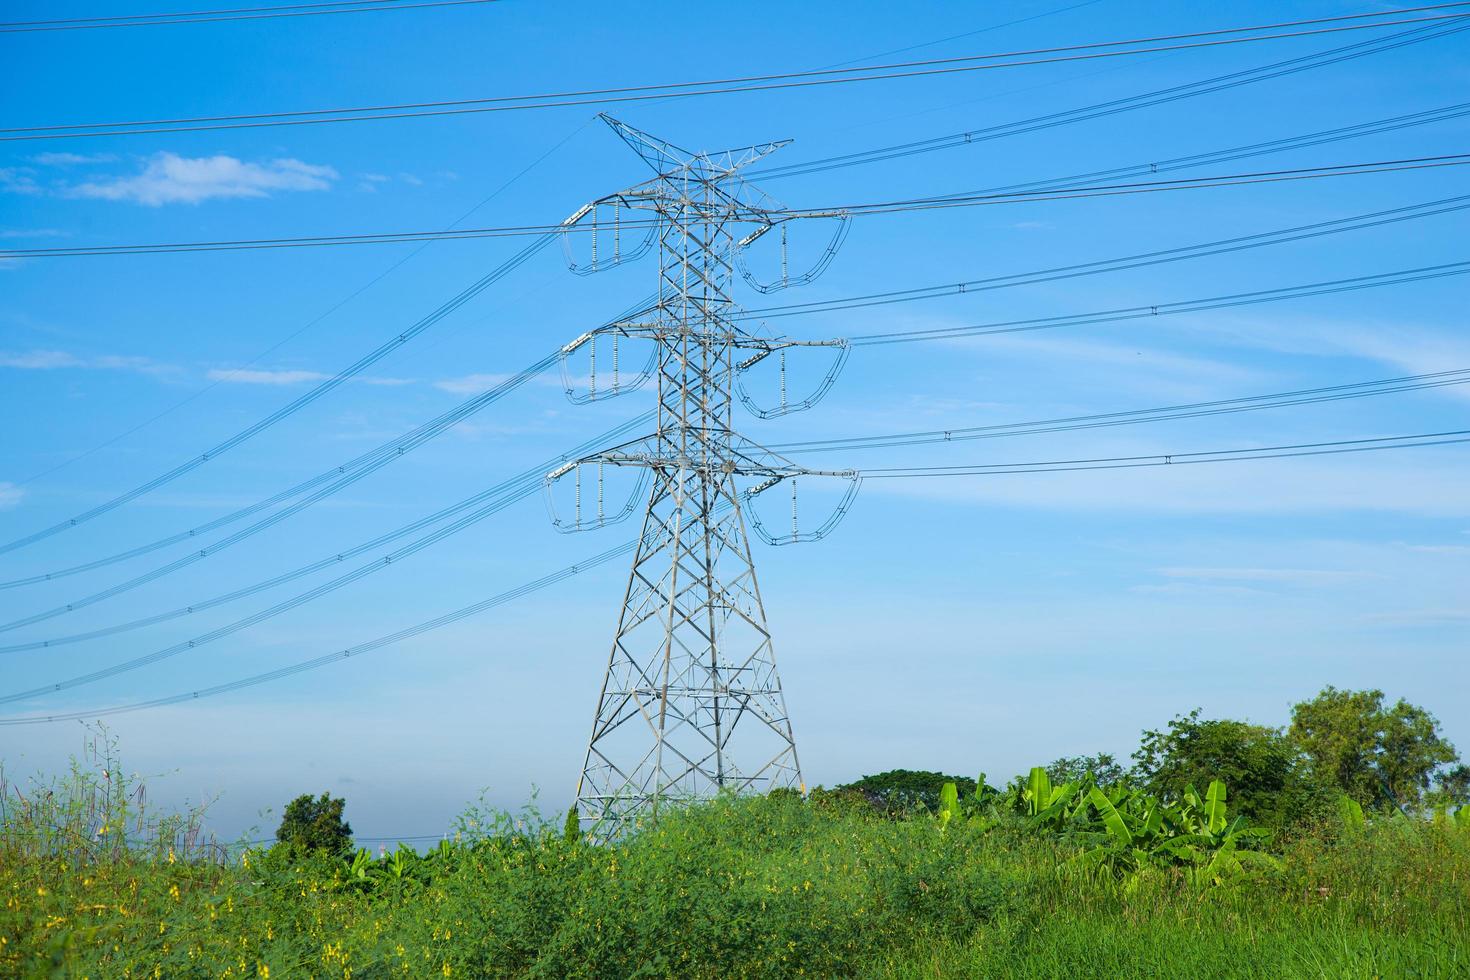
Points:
(1111, 818)
(1215, 806)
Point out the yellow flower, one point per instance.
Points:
(262, 970)
(447, 971)
(170, 855)
(173, 891)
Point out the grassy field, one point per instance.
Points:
(749, 887)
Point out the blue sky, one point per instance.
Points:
(985, 623)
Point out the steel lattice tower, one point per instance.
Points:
(691, 702)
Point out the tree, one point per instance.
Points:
(315, 824)
(1258, 765)
(1453, 787)
(1372, 753)
(1103, 768)
(904, 789)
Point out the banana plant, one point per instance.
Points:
(949, 804)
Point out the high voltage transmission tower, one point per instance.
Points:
(691, 702)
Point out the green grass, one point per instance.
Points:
(752, 887)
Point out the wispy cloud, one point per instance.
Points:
(18, 180)
(39, 360)
(1285, 576)
(8, 233)
(10, 495)
(250, 376)
(1420, 617)
(1410, 348)
(259, 376)
(1422, 481)
(51, 360)
(168, 178)
(1441, 549)
(71, 159)
(470, 384)
(370, 182)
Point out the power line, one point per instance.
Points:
(1318, 229)
(1111, 190)
(534, 585)
(724, 86)
(1098, 110)
(1224, 246)
(972, 199)
(506, 489)
(1149, 311)
(1264, 452)
(1176, 459)
(1361, 389)
(1354, 131)
(309, 324)
(354, 369)
(1225, 406)
(494, 506)
(324, 484)
(222, 16)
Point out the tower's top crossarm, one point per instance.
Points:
(667, 159)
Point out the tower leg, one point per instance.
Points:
(691, 703)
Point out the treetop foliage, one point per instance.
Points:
(315, 824)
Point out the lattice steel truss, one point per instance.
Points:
(691, 703)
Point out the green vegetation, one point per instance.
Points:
(1093, 871)
(315, 825)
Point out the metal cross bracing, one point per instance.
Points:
(691, 702)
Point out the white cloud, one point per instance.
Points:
(1410, 348)
(1419, 481)
(50, 360)
(10, 495)
(1420, 617)
(39, 360)
(18, 180)
(170, 179)
(470, 384)
(71, 159)
(33, 233)
(254, 376)
(1288, 576)
(248, 376)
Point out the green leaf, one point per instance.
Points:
(1038, 786)
(949, 804)
(1351, 811)
(1111, 818)
(1215, 806)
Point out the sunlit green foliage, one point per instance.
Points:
(1373, 752)
(1020, 882)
